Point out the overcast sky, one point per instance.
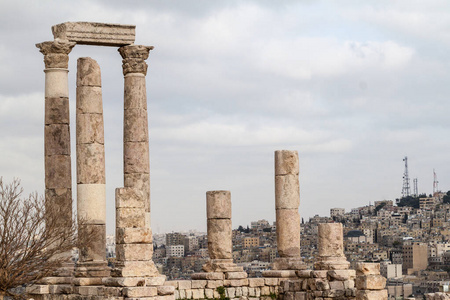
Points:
(354, 86)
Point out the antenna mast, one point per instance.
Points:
(406, 189)
(416, 189)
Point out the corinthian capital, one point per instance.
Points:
(56, 53)
(134, 57)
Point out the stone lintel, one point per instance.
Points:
(100, 34)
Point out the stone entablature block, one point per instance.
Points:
(100, 34)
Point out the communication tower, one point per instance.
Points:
(406, 191)
(415, 188)
(435, 183)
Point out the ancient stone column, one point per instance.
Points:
(58, 174)
(331, 248)
(134, 248)
(287, 201)
(91, 193)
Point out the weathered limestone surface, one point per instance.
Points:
(287, 201)
(58, 173)
(101, 34)
(218, 209)
(331, 248)
(91, 192)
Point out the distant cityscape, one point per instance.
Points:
(409, 238)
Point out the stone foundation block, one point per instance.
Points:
(367, 269)
(271, 281)
(60, 289)
(131, 252)
(38, 289)
(254, 282)
(213, 284)
(56, 280)
(198, 294)
(319, 274)
(304, 273)
(371, 295)
(341, 274)
(300, 296)
(208, 276)
(156, 281)
(199, 284)
(265, 291)
(184, 284)
(89, 290)
(235, 282)
(336, 285)
(88, 281)
(209, 293)
(236, 275)
(280, 273)
(165, 290)
(230, 292)
(166, 297)
(171, 283)
(370, 282)
(124, 281)
(141, 291)
(135, 269)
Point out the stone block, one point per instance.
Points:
(131, 252)
(88, 72)
(230, 292)
(300, 296)
(165, 290)
(349, 284)
(57, 139)
(136, 157)
(304, 273)
(55, 280)
(184, 284)
(135, 125)
(371, 295)
(288, 263)
(135, 269)
(288, 232)
(209, 293)
(265, 291)
(58, 172)
(367, 268)
(89, 290)
(271, 281)
(124, 281)
(331, 240)
(219, 238)
(130, 217)
(341, 274)
(236, 275)
(280, 273)
(370, 282)
(135, 95)
(213, 284)
(157, 281)
(198, 294)
(235, 282)
(89, 33)
(90, 129)
(87, 281)
(218, 205)
(129, 198)
(173, 283)
(60, 289)
(255, 282)
(286, 162)
(287, 192)
(336, 285)
(90, 163)
(188, 294)
(199, 284)
(57, 110)
(140, 291)
(319, 274)
(91, 203)
(56, 83)
(141, 182)
(38, 289)
(165, 297)
(89, 100)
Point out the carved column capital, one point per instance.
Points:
(56, 53)
(134, 57)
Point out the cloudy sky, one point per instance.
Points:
(354, 86)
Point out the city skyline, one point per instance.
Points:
(353, 87)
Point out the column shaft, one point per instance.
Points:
(218, 211)
(91, 192)
(331, 248)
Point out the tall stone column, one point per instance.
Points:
(91, 192)
(58, 174)
(287, 201)
(134, 247)
(331, 248)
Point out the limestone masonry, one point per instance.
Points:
(134, 275)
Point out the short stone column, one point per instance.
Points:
(287, 201)
(370, 285)
(219, 230)
(134, 247)
(91, 193)
(58, 173)
(331, 248)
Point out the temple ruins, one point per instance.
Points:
(135, 276)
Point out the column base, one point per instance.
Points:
(331, 263)
(288, 263)
(221, 265)
(92, 269)
(139, 268)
